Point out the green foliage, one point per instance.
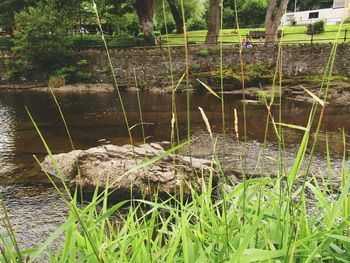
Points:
(262, 96)
(128, 23)
(257, 67)
(11, 75)
(56, 81)
(195, 67)
(12, 68)
(105, 70)
(203, 52)
(41, 39)
(82, 62)
(67, 72)
(194, 13)
(7, 12)
(316, 27)
(82, 76)
(6, 43)
(197, 24)
(72, 74)
(95, 41)
(250, 13)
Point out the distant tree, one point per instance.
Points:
(144, 10)
(8, 9)
(250, 13)
(193, 9)
(214, 22)
(275, 11)
(176, 13)
(121, 15)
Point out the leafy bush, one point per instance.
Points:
(11, 75)
(72, 74)
(105, 70)
(257, 67)
(67, 72)
(12, 68)
(41, 39)
(82, 62)
(203, 52)
(197, 24)
(6, 43)
(121, 41)
(83, 76)
(315, 28)
(95, 41)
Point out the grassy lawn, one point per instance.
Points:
(295, 34)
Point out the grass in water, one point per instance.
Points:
(265, 219)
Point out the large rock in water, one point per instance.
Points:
(110, 165)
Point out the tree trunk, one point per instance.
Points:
(214, 22)
(274, 13)
(144, 10)
(177, 17)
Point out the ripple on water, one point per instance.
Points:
(35, 213)
(7, 140)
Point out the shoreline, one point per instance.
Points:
(339, 91)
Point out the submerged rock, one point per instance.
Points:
(115, 167)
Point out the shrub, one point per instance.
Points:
(56, 81)
(203, 52)
(122, 41)
(95, 41)
(195, 67)
(68, 72)
(83, 76)
(12, 68)
(6, 43)
(315, 28)
(105, 70)
(82, 62)
(197, 24)
(257, 67)
(11, 75)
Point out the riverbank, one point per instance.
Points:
(338, 94)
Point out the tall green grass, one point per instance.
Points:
(289, 216)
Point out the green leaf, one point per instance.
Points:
(209, 89)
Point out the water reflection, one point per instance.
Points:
(92, 117)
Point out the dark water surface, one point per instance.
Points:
(95, 117)
(35, 208)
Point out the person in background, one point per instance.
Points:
(250, 42)
(244, 43)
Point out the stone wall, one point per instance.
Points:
(153, 67)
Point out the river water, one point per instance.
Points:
(96, 118)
